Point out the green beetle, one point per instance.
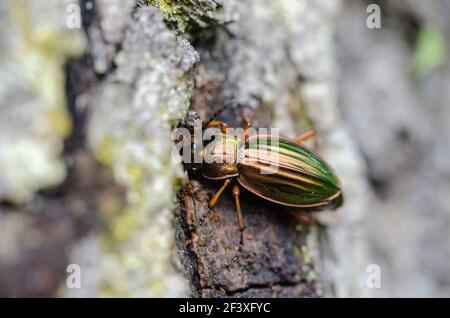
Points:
(278, 169)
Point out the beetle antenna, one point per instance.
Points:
(238, 252)
(231, 103)
(202, 218)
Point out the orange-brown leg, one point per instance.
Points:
(247, 126)
(236, 193)
(217, 123)
(302, 217)
(213, 202)
(307, 136)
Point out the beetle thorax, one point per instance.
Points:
(220, 157)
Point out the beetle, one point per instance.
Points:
(276, 168)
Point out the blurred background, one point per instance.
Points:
(86, 180)
(394, 96)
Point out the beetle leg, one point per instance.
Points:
(236, 193)
(305, 218)
(213, 202)
(216, 196)
(308, 135)
(217, 123)
(302, 217)
(247, 121)
(247, 126)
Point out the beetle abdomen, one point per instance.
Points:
(286, 172)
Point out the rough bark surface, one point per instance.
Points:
(113, 208)
(86, 176)
(263, 80)
(271, 262)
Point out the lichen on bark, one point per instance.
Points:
(130, 133)
(135, 82)
(34, 45)
(189, 15)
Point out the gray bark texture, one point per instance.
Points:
(86, 119)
